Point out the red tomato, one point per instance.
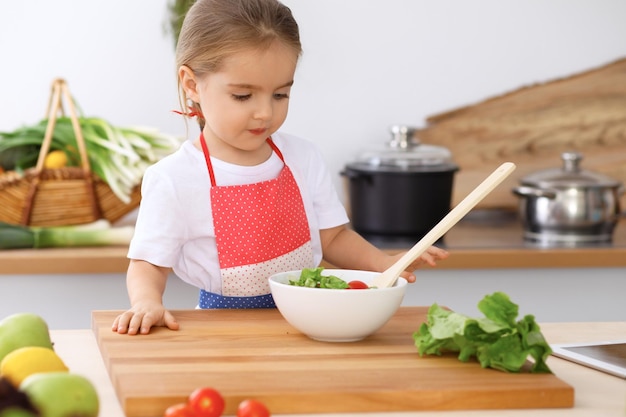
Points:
(206, 402)
(357, 285)
(252, 408)
(179, 410)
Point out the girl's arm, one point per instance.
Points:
(146, 285)
(347, 249)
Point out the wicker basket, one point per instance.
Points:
(63, 196)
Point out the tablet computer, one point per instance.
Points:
(609, 357)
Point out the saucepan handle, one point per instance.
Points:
(525, 191)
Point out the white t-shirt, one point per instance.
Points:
(175, 226)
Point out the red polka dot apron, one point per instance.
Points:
(260, 229)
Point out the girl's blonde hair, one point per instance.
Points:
(215, 29)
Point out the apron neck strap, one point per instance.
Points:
(207, 156)
(275, 148)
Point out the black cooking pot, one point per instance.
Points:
(402, 190)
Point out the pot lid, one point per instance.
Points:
(404, 151)
(570, 175)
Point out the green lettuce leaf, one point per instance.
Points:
(313, 278)
(497, 340)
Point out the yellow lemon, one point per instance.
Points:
(25, 361)
(55, 159)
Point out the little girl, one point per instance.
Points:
(242, 201)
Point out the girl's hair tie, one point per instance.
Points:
(191, 113)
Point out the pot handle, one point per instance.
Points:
(355, 174)
(525, 191)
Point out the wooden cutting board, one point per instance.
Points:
(257, 354)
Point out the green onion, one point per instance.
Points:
(117, 155)
(98, 233)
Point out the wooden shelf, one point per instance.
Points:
(484, 243)
(476, 243)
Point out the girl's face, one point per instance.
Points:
(245, 102)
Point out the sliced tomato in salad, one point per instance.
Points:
(357, 285)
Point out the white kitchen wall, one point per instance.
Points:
(366, 64)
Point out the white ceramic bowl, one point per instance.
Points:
(336, 315)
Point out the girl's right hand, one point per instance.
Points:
(141, 317)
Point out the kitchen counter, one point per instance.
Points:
(482, 240)
(596, 393)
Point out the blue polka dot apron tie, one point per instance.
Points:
(260, 229)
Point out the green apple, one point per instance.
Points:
(21, 330)
(16, 412)
(61, 394)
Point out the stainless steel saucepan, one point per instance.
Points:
(568, 206)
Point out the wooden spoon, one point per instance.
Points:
(389, 277)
